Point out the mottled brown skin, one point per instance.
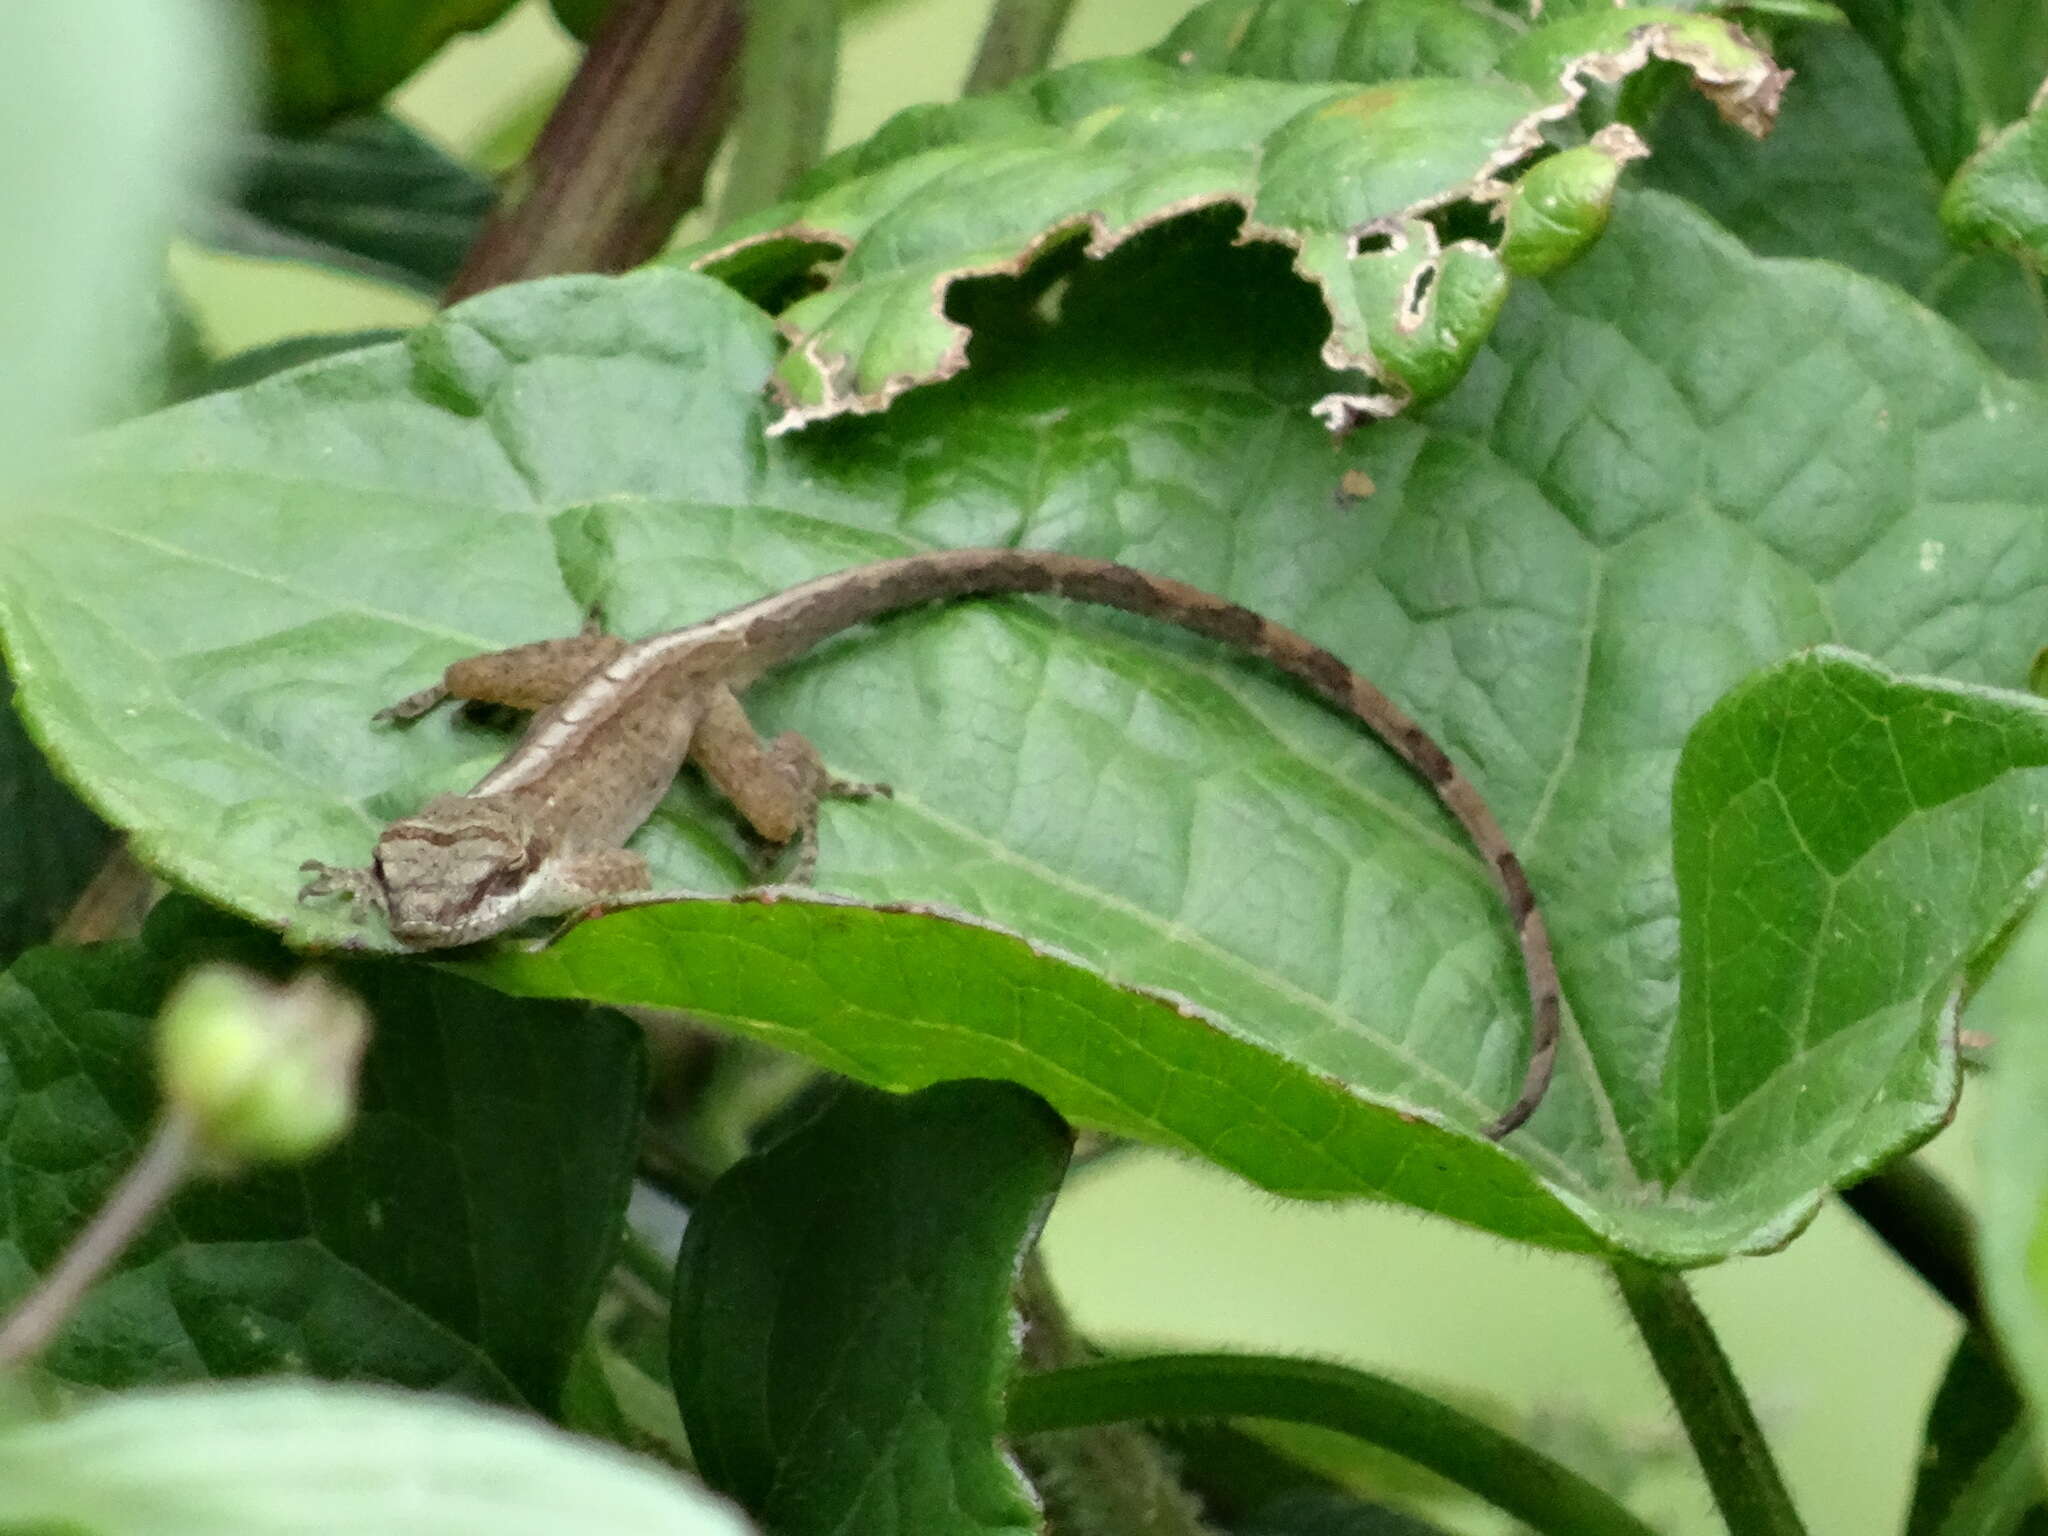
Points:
(543, 833)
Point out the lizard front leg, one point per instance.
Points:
(775, 786)
(588, 884)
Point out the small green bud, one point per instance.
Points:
(266, 1073)
(1561, 206)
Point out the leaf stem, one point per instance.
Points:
(787, 74)
(625, 152)
(134, 1202)
(1725, 1436)
(1512, 1476)
(1018, 41)
(1096, 1477)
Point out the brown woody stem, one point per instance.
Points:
(625, 153)
(1017, 42)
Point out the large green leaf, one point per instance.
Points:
(1343, 179)
(456, 1238)
(1844, 839)
(295, 1459)
(843, 1328)
(1674, 465)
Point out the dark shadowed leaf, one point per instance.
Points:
(50, 844)
(368, 195)
(1978, 1470)
(455, 1239)
(843, 1326)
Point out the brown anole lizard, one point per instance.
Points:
(543, 833)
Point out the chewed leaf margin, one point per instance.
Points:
(1339, 174)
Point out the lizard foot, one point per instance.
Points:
(766, 858)
(413, 705)
(358, 886)
(856, 789)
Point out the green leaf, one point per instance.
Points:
(1978, 1474)
(843, 1327)
(1343, 178)
(2001, 196)
(1821, 816)
(1316, 40)
(290, 1458)
(456, 1238)
(1250, 934)
(2013, 1156)
(904, 999)
(1842, 177)
(1962, 66)
(367, 195)
(2007, 48)
(1921, 48)
(322, 62)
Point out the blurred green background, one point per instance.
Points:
(1840, 1346)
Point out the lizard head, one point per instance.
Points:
(461, 869)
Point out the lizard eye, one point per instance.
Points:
(510, 865)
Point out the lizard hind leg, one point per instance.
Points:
(775, 786)
(800, 760)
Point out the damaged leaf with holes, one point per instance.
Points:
(1356, 182)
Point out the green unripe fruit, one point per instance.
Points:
(266, 1073)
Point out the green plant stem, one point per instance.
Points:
(1018, 41)
(1095, 1477)
(1724, 1433)
(130, 1206)
(1523, 1482)
(1917, 1216)
(625, 152)
(787, 75)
